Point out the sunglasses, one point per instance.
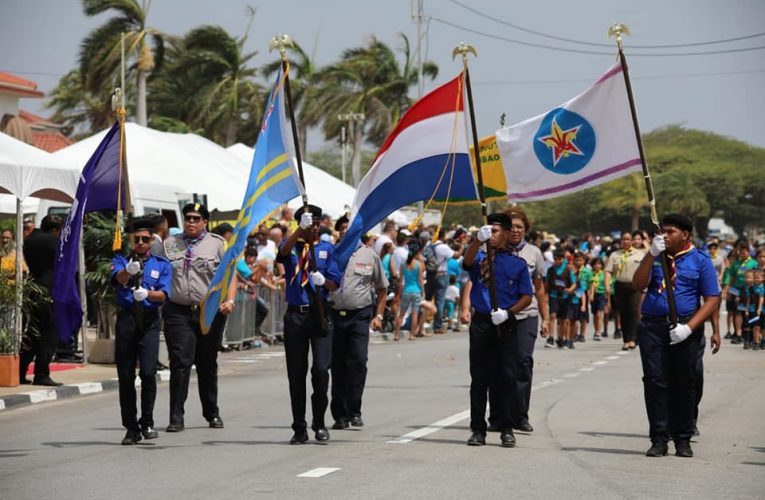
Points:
(192, 218)
(142, 239)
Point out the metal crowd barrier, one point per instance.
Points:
(241, 324)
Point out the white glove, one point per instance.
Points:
(658, 245)
(133, 267)
(499, 316)
(679, 333)
(140, 294)
(318, 279)
(306, 220)
(484, 234)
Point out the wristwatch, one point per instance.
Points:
(380, 317)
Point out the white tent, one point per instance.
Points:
(27, 171)
(324, 190)
(179, 161)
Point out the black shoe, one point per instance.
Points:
(596, 338)
(657, 450)
(618, 334)
(747, 344)
(340, 424)
(493, 428)
(299, 437)
(728, 336)
(357, 421)
(132, 437)
(149, 432)
(321, 434)
(683, 449)
(560, 343)
(550, 342)
(507, 439)
(524, 426)
(161, 366)
(696, 431)
(736, 340)
(175, 428)
(46, 381)
(476, 439)
(215, 423)
(24, 381)
(604, 335)
(580, 338)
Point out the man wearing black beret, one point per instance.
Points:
(669, 352)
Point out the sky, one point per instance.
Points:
(722, 93)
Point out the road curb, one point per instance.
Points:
(24, 399)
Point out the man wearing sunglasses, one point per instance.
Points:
(194, 256)
(142, 285)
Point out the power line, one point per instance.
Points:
(578, 51)
(594, 44)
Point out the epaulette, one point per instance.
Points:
(217, 236)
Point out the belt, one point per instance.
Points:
(192, 307)
(302, 308)
(665, 318)
(351, 312)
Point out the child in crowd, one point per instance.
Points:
(578, 305)
(560, 283)
(746, 306)
(451, 297)
(756, 299)
(597, 296)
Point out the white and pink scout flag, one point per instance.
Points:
(584, 142)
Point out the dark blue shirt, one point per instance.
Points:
(296, 294)
(157, 273)
(511, 280)
(696, 278)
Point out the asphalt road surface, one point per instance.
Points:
(587, 410)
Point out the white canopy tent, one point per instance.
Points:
(179, 161)
(324, 190)
(27, 171)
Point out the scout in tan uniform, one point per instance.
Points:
(621, 266)
(354, 311)
(194, 256)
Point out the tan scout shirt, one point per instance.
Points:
(536, 264)
(189, 284)
(622, 265)
(363, 274)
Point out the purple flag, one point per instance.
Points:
(97, 190)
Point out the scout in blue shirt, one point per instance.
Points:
(669, 353)
(493, 332)
(142, 285)
(307, 286)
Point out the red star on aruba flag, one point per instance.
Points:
(561, 142)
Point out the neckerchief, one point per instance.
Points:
(303, 266)
(515, 249)
(596, 278)
(623, 261)
(190, 242)
(672, 259)
(484, 267)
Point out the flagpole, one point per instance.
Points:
(617, 30)
(281, 42)
(463, 50)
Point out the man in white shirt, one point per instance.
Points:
(437, 281)
(388, 235)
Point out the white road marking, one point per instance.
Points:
(622, 353)
(457, 417)
(586, 369)
(570, 375)
(319, 472)
(164, 375)
(612, 357)
(599, 363)
(40, 396)
(2, 404)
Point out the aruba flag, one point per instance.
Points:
(273, 181)
(426, 156)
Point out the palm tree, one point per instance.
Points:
(367, 80)
(206, 83)
(100, 51)
(627, 193)
(79, 109)
(303, 78)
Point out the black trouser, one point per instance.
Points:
(39, 342)
(302, 329)
(699, 382)
(628, 305)
(523, 365)
(261, 311)
(491, 364)
(137, 342)
(669, 376)
(350, 346)
(187, 346)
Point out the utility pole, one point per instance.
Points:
(355, 137)
(343, 149)
(417, 16)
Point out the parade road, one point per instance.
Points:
(587, 410)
